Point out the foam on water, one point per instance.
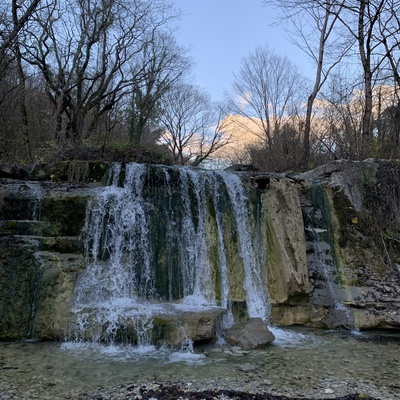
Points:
(196, 302)
(290, 338)
(187, 358)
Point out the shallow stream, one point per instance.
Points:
(301, 362)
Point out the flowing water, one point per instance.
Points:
(322, 264)
(301, 362)
(163, 240)
(158, 239)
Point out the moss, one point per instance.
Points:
(239, 311)
(66, 214)
(73, 171)
(346, 215)
(18, 277)
(166, 330)
(323, 218)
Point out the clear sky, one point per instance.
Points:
(220, 32)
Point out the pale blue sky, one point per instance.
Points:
(220, 32)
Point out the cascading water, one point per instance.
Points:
(159, 240)
(37, 194)
(321, 261)
(256, 296)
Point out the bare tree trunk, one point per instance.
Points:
(316, 89)
(366, 64)
(394, 148)
(367, 19)
(22, 86)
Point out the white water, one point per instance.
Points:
(256, 293)
(324, 262)
(128, 232)
(37, 193)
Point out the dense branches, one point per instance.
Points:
(268, 92)
(192, 125)
(83, 52)
(157, 68)
(9, 33)
(109, 74)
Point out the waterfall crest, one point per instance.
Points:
(162, 239)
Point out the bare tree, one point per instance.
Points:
(193, 127)
(389, 32)
(361, 20)
(267, 90)
(83, 50)
(339, 116)
(9, 36)
(314, 29)
(21, 75)
(14, 19)
(159, 65)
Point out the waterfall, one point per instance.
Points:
(322, 262)
(256, 296)
(36, 196)
(160, 239)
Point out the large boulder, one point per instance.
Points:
(249, 335)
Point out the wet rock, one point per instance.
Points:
(200, 326)
(249, 335)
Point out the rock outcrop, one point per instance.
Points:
(249, 335)
(360, 244)
(331, 245)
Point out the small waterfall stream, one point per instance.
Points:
(160, 240)
(322, 261)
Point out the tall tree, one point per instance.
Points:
(314, 29)
(193, 127)
(21, 77)
(389, 32)
(269, 90)
(8, 35)
(83, 50)
(159, 66)
(361, 20)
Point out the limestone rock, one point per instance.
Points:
(173, 328)
(249, 335)
(346, 174)
(286, 255)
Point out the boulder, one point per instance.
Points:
(249, 335)
(199, 326)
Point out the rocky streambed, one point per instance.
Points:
(301, 364)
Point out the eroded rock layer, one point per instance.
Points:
(329, 241)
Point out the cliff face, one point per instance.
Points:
(330, 240)
(364, 199)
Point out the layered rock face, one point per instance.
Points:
(363, 229)
(326, 241)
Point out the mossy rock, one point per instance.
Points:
(65, 213)
(19, 274)
(72, 171)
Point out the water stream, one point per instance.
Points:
(162, 240)
(301, 362)
(322, 261)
